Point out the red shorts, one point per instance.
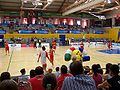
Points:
(109, 46)
(44, 65)
(7, 48)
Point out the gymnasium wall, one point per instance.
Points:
(113, 33)
(55, 35)
(31, 35)
(86, 35)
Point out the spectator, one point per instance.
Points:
(5, 76)
(100, 70)
(114, 82)
(49, 82)
(32, 73)
(24, 85)
(62, 76)
(108, 65)
(23, 77)
(78, 81)
(107, 72)
(8, 85)
(96, 76)
(74, 58)
(36, 82)
(87, 70)
(57, 73)
(49, 70)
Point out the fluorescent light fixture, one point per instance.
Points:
(37, 3)
(25, 1)
(49, 1)
(40, 3)
(78, 22)
(76, 1)
(109, 1)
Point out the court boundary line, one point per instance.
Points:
(10, 60)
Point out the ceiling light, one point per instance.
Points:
(49, 1)
(40, 3)
(76, 1)
(109, 1)
(25, 1)
(36, 3)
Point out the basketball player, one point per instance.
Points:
(109, 45)
(81, 45)
(6, 48)
(54, 44)
(43, 54)
(51, 53)
(89, 42)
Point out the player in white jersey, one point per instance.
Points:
(43, 54)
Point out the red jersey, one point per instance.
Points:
(61, 79)
(6, 46)
(81, 45)
(97, 79)
(53, 44)
(36, 82)
(52, 54)
(109, 45)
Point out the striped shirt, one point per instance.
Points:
(79, 82)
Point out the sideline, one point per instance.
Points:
(10, 59)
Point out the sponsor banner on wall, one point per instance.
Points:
(14, 45)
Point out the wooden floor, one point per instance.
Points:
(27, 58)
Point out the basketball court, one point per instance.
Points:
(27, 58)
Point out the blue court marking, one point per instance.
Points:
(113, 51)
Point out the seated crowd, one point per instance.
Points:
(14, 28)
(76, 77)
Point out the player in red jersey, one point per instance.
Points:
(6, 48)
(109, 45)
(54, 44)
(81, 45)
(51, 53)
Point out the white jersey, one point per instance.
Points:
(43, 55)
